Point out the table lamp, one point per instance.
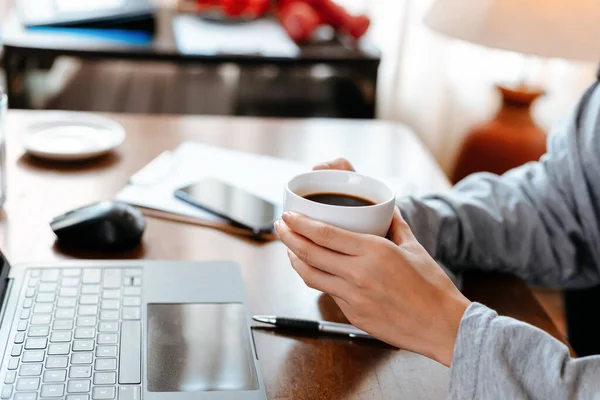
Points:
(568, 29)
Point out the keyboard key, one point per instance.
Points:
(84, 371)
(90, 289)
(132, 291)
(52, 391)
(132, 301)
(83, 345)
(112, 278)
(52, 376)
(81, 358)
(86, 321)
(110, 304)
(105, 378)
(89, 299)
(103, 393)
(108, 327)
(69, 282)
(111, 294)
(50, 275)
(85, 333)
(25, 396)
(106, 364)
(133, 272)
(68, 292)
(43, 308)
(10, 377)
(130, 358)
(16, 350)
(36, 344)
(33, 356)
(109, 315)
(45, 298)
(19, 337)
(41, 319)
(28, 303)
(33, 282)
(13, 363)
(25, 313)
(108, 338)
(59, 349)
(71, 272)
(91, 275)
(6, 391)
(131, 313)
(78, 397)
(39, 331)
(28, 384)
(79, 386)
(88, 310)
(106, 351)
(48, 287)
(66, 302)
(137, 281)
(129, 393)
(30, 370)
(60, 336)
(57, 362)
(21, 326)
(65, 313)
(35, 273)
(30, 292)
(62, 325)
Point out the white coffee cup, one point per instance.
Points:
(375, 219)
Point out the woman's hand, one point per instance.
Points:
(392, 289)
(338, 163)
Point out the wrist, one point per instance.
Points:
(448, 328)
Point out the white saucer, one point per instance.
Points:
(65, 136)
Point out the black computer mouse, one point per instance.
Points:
(107, 225)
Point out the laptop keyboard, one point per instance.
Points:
(76, 336)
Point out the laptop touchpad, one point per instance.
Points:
(199, 347)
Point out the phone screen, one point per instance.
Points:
(232, 203)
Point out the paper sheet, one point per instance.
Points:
(264, 36)
(263, 176)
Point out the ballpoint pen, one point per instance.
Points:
(312, 326)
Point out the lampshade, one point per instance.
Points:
(548, 28)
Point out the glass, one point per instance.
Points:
(3, 113)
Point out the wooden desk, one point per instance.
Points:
(295, 367)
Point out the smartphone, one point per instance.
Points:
(232, 203)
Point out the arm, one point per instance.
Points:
(539, 221)
(499, 357)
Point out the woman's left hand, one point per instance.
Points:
(391, 289)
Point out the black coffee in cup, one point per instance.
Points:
(339, 199)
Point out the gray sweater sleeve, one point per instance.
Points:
(539, 221)
(502, 358)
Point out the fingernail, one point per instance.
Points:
(321, 166)
(286, 216)
(276, 224)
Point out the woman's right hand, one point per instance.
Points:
(339, 163)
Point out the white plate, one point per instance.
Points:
(65, 136)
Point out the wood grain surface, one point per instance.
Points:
(295, 367)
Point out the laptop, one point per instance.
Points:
(115, 14)
(126, 330)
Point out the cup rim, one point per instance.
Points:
(338, 171)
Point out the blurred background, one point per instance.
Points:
(438, 86)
